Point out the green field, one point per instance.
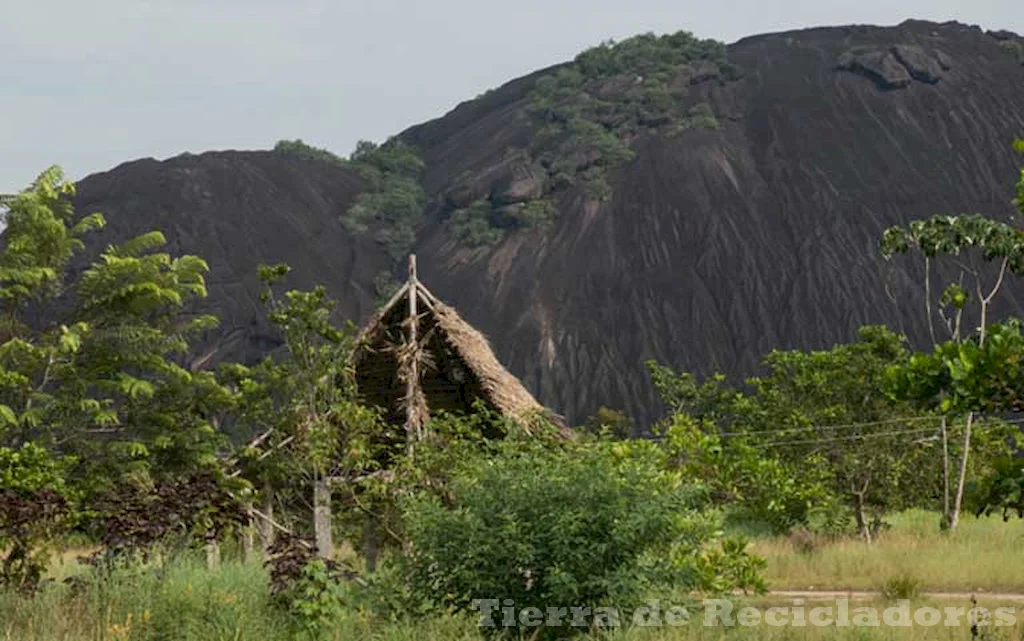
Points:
(983, 555)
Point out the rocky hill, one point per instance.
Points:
(669, 198)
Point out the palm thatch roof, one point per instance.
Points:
(418, 355)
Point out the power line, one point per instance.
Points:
(978, 426)
(812, 428)
(855, 437)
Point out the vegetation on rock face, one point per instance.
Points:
(394, 199)
(299, 149)
(587, 115)
(591, 110)
(481, 224)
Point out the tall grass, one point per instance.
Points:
(186, 602)
(981, 555)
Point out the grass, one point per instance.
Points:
(187, 602)
(190, 603)
(981, 555)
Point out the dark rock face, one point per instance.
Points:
(922, 65)
(238, 210)
(716, 247)
(881, 66)
(897, 66)
(719, 246)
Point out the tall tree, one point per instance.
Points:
(303, 404)
(970, 243)
(94, 365)
(825, 406)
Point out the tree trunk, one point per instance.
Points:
(862, 521)
(322, 517)
(954, 518)
(370, 542)
(267, 532)
(249, 543)
(212, 555)
(945, 477)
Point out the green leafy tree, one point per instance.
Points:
(755, 484)
(304, 406)
(95, 366)
(609, 422)
(971, 243)
(826, 406)
(882, 458)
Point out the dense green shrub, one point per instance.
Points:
(533, 213)
(647, 53)
(1001, 490)
(755, 486)
(394, 198)
(36, 511)
(609, 423)
(472, 226)
(299, 149)
(700, 116)
(480, 224)
(562, 527)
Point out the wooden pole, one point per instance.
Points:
(322, 521)
(267, 524)
(945, 476)
(212, 554)
(413, 429)
(248, 536)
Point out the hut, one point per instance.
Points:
(417, 356)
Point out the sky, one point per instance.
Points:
(88, 85)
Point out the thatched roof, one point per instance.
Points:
(452, 362)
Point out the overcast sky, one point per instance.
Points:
(91, 84)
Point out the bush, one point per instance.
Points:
(534, 213)
(472, 226)
(394, 197)
(901, 587)
(35, 513)
(298, 149)
(308, 588)
(1001, 490)
(754, 485)
(700, 116)
(565, 527)
(133, 520)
